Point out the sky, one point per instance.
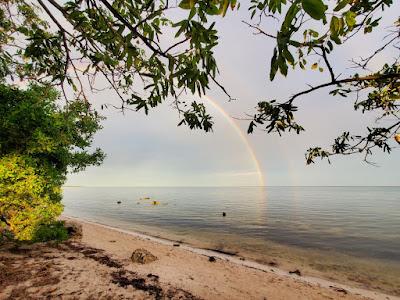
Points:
(153, 151)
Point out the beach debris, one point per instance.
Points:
(296, 272)
(142, 256)
(273, 264)
(226, 252)
(212, 259)
(93, 253)
(125, 279)
(74, 229)
(153, 276)
(118, 202)
(176, 245)
(155, 202)
(224, 214)
(338, 289)
(112, 241)
(145, 198)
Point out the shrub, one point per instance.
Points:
(25, 198)
(51, 232)
(40, 142)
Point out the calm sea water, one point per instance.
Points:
(358, 221)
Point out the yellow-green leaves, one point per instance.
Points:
(25, 200)
(350, 18)
(39, 143)
(336, 29)
(341, 4)
(216, 7)
(314, 8)
(224, 7)
(187, 4)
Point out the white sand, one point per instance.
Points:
(229, 277)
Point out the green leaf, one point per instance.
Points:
(350, 18)
(192, 12)
(341, 5)
(288, 56)
(186, 4)
(274, 65)
(224, 7)
(233, 4)
(314, 8)
(283, 67)
(335, 28)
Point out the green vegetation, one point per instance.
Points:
(310, 31)
(130, 45)
(39, 143)
(54, 231)
(26, 201)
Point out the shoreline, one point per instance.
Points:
(245, 263)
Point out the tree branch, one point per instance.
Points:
(131, 28)
(63, 32)
(347, 80)
(328, 65)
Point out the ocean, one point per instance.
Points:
(329, 231)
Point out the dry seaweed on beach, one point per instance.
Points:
(74, 270)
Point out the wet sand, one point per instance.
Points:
(98, 266)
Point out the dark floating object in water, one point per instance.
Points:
(212, 259)
(297, 272)
(224, 214)
(118, 202)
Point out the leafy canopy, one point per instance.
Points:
(39, 143)
(129, 44)
(310, 31)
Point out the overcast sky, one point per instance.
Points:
(153, 151)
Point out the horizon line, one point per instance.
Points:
(224, 186)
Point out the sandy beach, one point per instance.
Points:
(98, 266)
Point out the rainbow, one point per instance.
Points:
(243, 138)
